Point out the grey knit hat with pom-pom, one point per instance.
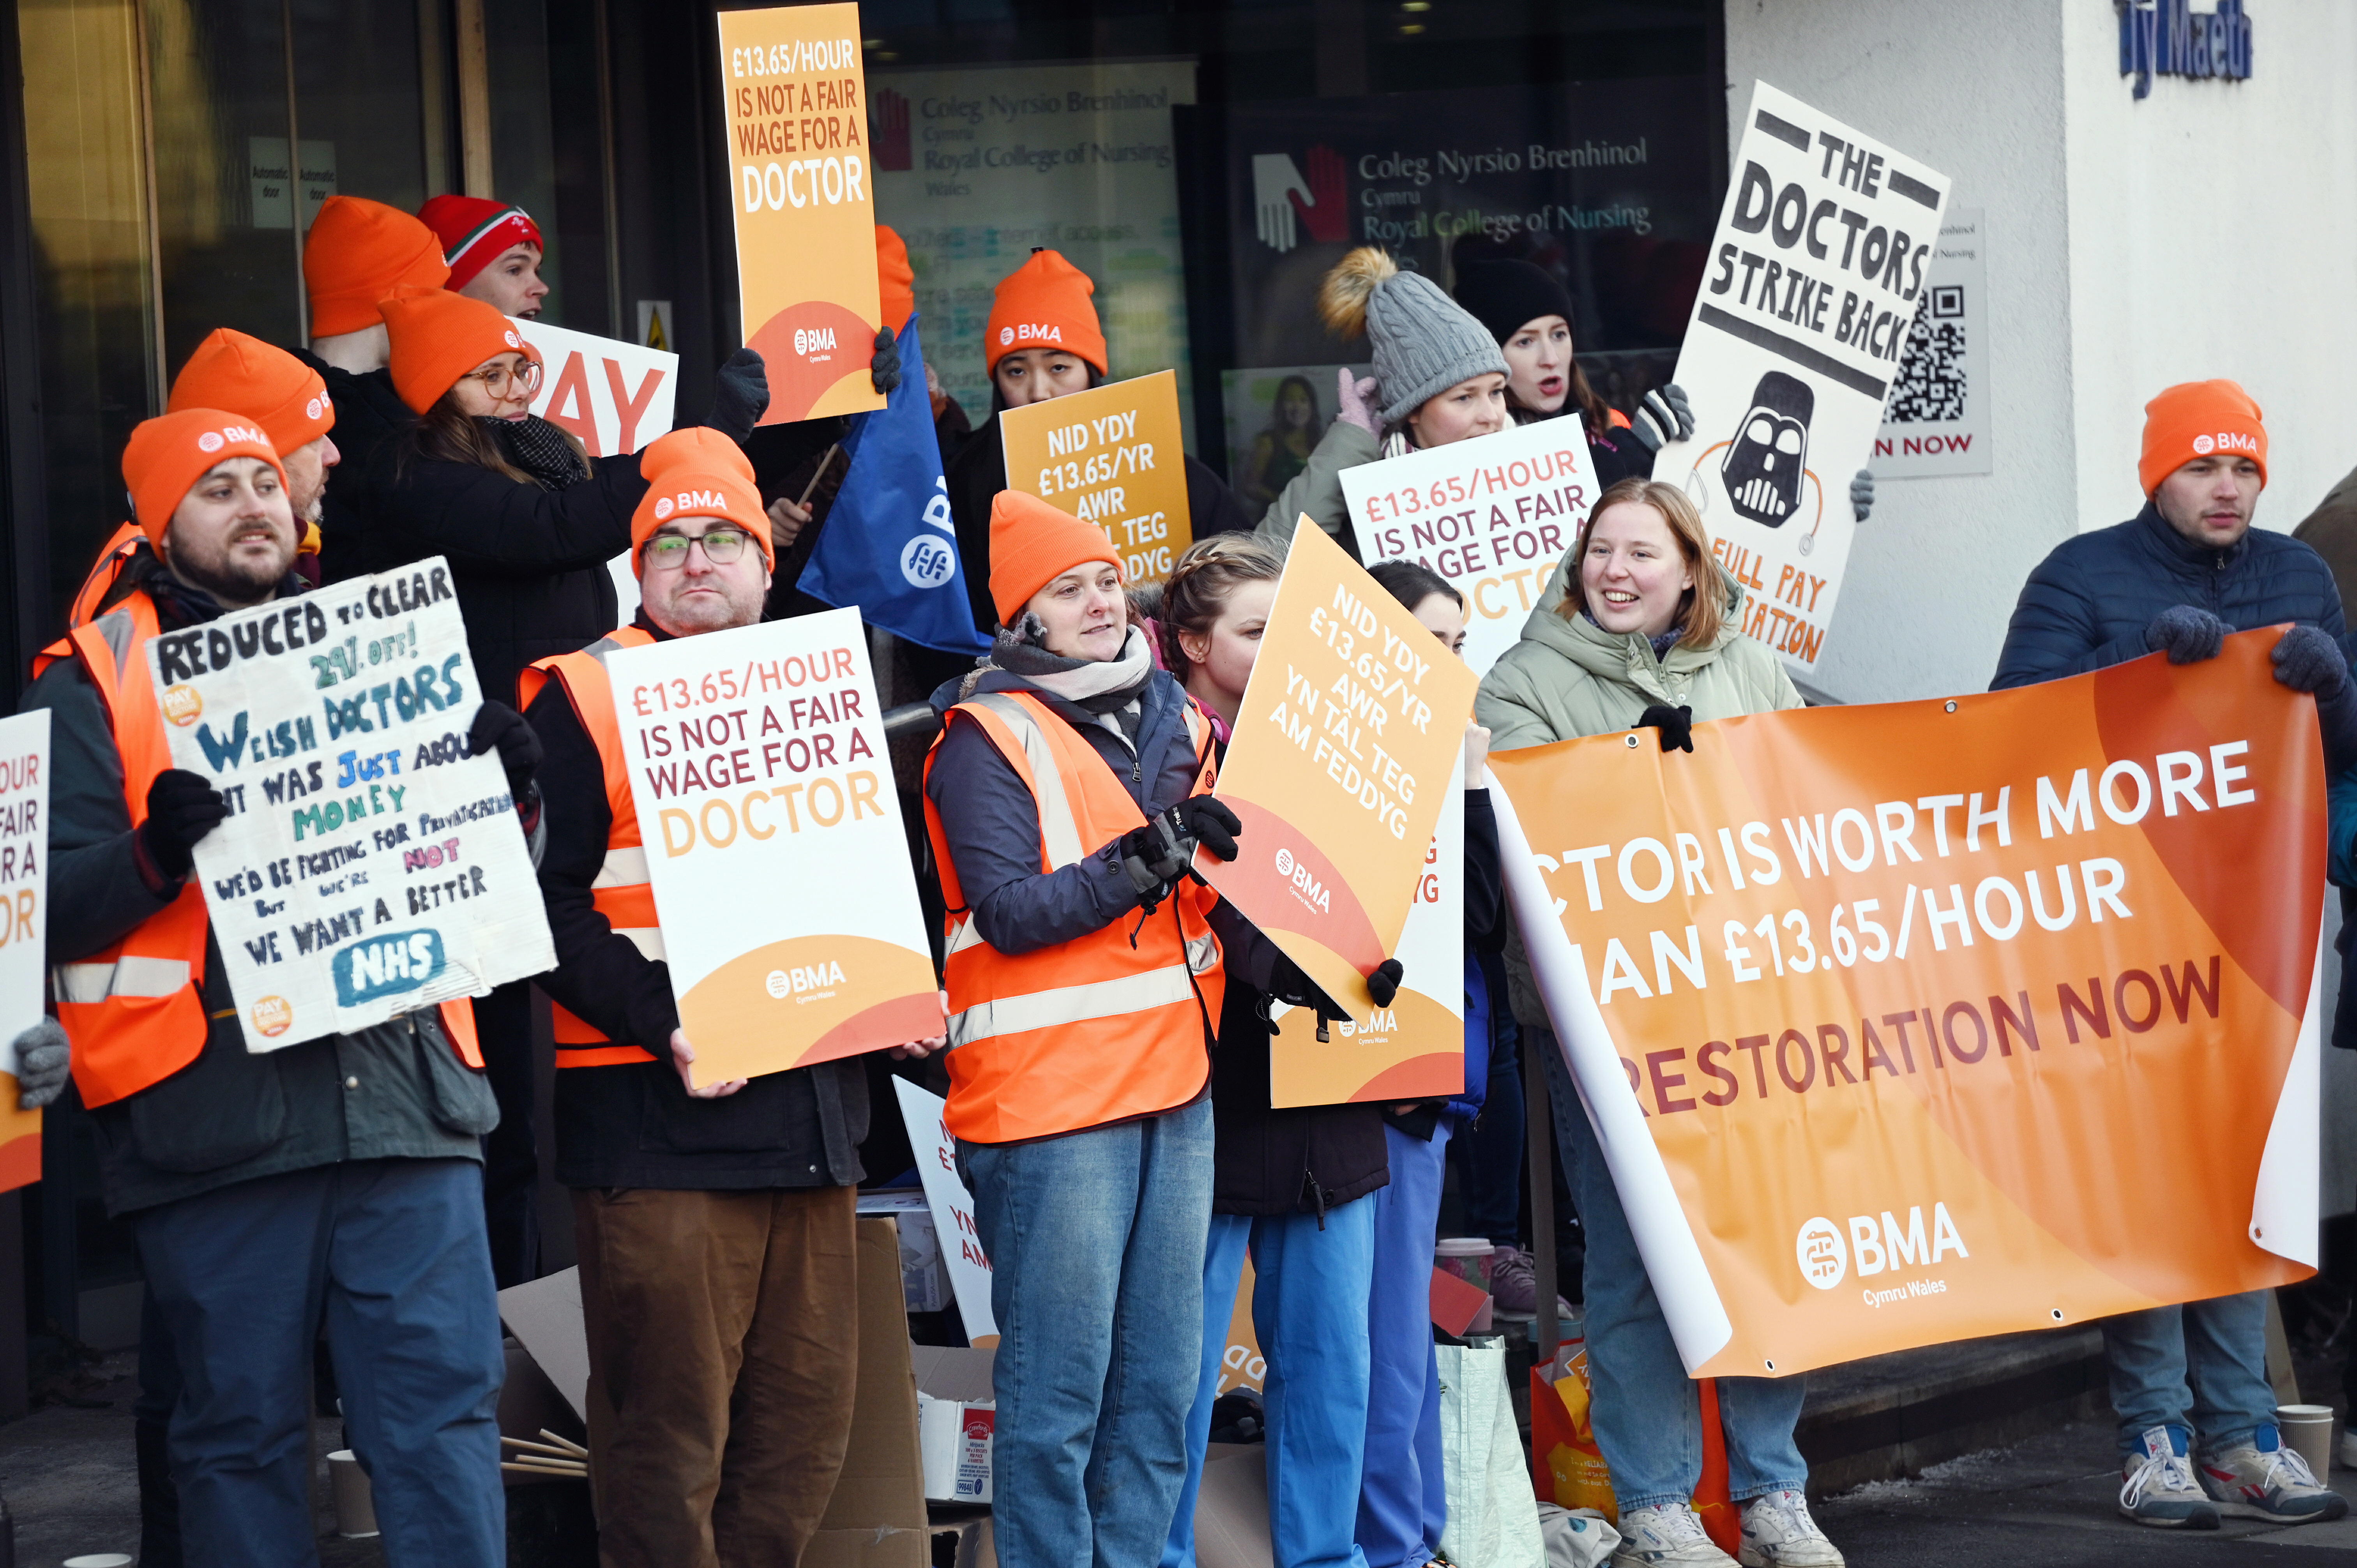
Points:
(1424, 342)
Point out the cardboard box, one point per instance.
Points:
(956, 1419)
(922, 1279)
(877, 1516)
(1231, 1510)
(963, 1539)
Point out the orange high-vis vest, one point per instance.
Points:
(1104, 1028)
(621, 892)
(103, 574)
(135, 1012)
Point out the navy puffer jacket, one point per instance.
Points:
(2088, 603)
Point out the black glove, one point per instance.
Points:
(740, 395)
(2307, 660)
(1663, 415)
(884, 369)
(44, 1061)
(1207, 821)
(2186, 634)
(498, 726)
(1288, 982)
(1385, 983)
(182, 807)
(1676, 726)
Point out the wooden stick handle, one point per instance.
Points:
(566, 1444)
(824, 463)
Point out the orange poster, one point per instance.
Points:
(1112, 456)
(803, 187)
(1910, 1023)
(1344, 749)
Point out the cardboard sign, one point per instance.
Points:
(24, 925)
(614, 396)
(370, 865)
(1492, 516)
(1112, 456)
(1937, 420)
(756, 761)
(936, 1150)
(1349, 730)
(802, 188)
(1880, 1013)
(1810, 289)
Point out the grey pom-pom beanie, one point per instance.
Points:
(1424, 343)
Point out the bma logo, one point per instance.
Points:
(1876, 1247)
(1282, 199)
(809, 340)
(1306, 887)
(1030, 332)
(803, 979)
(663, 508)
(2227, 440)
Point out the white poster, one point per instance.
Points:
(976, 166)
(24, 876)
(774, 844)
(1937, 420)
(1492, 516)
(945, 1194)
(369, 866)
(614, 396)
(1808, 296)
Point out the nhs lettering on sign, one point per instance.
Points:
(2169, 37)
(385, 966)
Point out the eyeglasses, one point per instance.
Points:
(496, 379)
(668, 552)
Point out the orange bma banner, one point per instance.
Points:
(802, 186)
(1351, 729)
(1910, 1023)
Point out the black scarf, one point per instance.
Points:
(178, 604)
(539, 449)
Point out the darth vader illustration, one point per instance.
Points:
(1765, 462)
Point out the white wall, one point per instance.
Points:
(2208, 230)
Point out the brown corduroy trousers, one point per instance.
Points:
(723, 1334)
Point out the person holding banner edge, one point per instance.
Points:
(1638, 629)
(2189, 1383)
(337, 1177)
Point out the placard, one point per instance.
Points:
(1879, 1013)
(1937, 420)
(24, 925)
(774, 844)
(1492, 516)
(1811, 287)
(1350, 729)
(1111, 455)
(368, 866)
(614, 396)
(801, 185)
(935, 1147)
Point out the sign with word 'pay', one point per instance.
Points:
(614, 396)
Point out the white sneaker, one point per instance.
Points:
(2158, 1488)
(1666, 1535)
(1779, 1533)
(2264, 1479)
(2348, 1450)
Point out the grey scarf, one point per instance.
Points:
(1099, 686)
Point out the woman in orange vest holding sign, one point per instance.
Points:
(1065, 799)
(1637, 630)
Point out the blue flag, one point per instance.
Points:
(888, 547)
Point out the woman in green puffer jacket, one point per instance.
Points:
(1638, 629)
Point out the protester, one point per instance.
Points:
(2196, 1431)
(1043, 340)
(493, 250)
(334, 1178)
(358, 254)
(714, 1223)
(1064, 801)
(1438, 379)
(1288, 1186)
(1637, 630)
(1404, 1500)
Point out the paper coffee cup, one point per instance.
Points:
(355, 1507)
(2307, 1428)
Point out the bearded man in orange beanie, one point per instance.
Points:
(336, 1181)
(714, 1223)
(2196, 1416)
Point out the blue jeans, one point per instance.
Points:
(1648, 1412)
(393, 1252)
(1403, 1501)
(1095, 1241)
(2202, 1366)
(1309, 1313)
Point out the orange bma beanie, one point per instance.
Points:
(359, 253)
(269, 386)
(1032, 544)
(1044, 304)
(2200, 419)
(697, 472)
(439, 337)
(895, 280)
(170, 453)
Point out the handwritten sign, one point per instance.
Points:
(369, 866)
(756, 761)
(24, 923)
(1112, 456)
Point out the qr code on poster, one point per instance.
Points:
(1929, 387)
